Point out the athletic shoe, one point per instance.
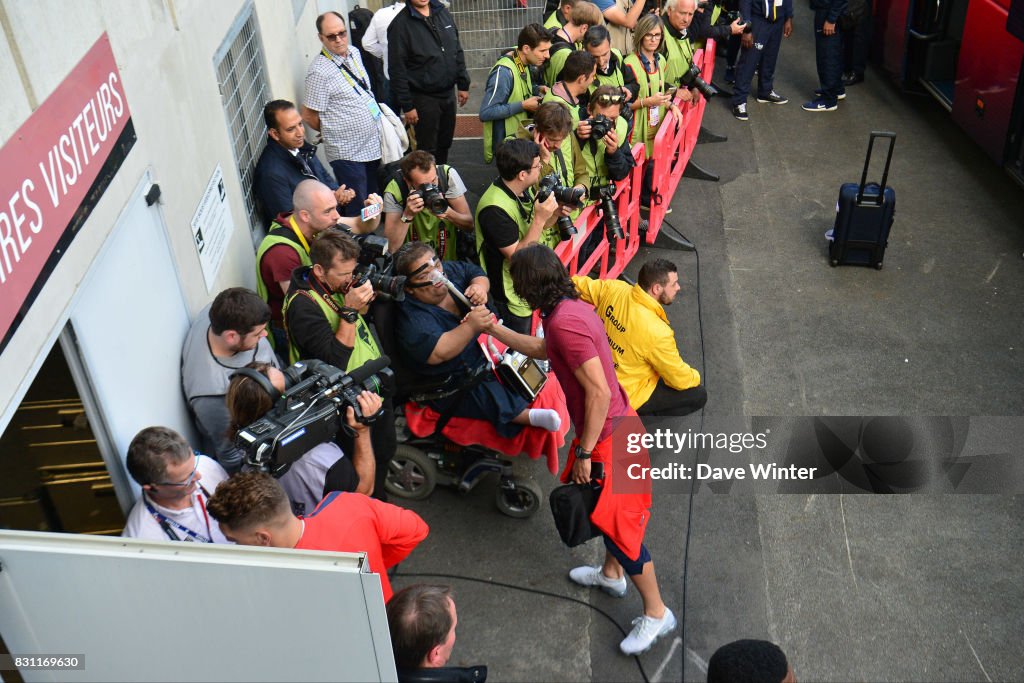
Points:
(645, 631)
(852, 79)
(740, 112)
(772, 98)
(820, 94)
(593, 576)
(819, 104)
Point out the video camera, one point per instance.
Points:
(373, 265)
(566, 196)
(434, 200)
(692, 79)
(310, 412)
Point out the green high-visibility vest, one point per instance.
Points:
(278, 234)
(649, 84)
(614, 78)
(425, 226)
(364, 349)
(574, 109)
(522, 214)
(594, 152)
(680, 57)
(556, 62)
(522, 89)
(554, 20)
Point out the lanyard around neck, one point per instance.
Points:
(166, 522)
(298, 233)
(344, 68)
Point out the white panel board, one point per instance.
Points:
(156, 611)
(130, 320)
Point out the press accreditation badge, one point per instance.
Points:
(374, 108)
(653, 115)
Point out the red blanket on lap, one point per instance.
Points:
(533, 441)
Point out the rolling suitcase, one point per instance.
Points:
(864, 215)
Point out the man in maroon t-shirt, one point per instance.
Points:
(576, 344)
(286, 246)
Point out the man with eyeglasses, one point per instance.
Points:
(341, 105)
(507, 219)
(176, 485)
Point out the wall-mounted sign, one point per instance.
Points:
(53, 171)
(211, 226)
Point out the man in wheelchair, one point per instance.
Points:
(438, 325)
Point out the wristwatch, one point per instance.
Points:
(407, 220)
(349, 315)
(581, 454)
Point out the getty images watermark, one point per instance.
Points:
(887, 454)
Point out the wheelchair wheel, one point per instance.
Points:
(518, 497)
(411, 474)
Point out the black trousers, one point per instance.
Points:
(436, 126)
(668, 401)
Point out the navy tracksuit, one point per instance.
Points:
(828, 50)
(766, 19)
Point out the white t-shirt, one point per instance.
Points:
(143, 524)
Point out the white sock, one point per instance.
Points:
(546, 418)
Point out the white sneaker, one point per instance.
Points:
(645, 631)
(593, 576)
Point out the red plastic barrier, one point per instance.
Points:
(674, 144)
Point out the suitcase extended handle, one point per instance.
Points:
(867, 162)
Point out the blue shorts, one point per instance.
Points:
(631, 567)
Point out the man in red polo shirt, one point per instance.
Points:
(253, 509)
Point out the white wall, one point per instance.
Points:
(164, 50)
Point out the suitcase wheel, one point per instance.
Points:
(878, 266)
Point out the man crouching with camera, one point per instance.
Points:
(324, 318)
(424, 203)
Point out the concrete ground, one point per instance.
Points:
(870, 587)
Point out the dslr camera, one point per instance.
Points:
(374, 264)
(566, 196)
(310, 412)
(600, 126)
(692, 79)
(434, 200)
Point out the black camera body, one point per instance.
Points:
(600, 126)
(729, 17)
(566, 196)
(374, 264)
(310, 412)
(434, 200)
(692, 79)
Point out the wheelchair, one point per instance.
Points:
(421, 463)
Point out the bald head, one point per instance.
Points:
(315, 206)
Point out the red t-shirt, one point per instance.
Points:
(574, 334)
(354, 523)
(277, 265)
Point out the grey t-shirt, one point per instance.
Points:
(205, 379)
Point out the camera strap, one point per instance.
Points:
(349, 315)
(561, 162)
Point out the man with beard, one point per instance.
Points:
(647, 362)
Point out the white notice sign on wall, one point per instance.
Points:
(211, 227)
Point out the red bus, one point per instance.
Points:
(968, 55)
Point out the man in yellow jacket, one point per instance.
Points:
(647, 362)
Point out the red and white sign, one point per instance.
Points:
(48, 170)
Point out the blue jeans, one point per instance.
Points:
(761, 58)
(359, 176)
(829, 55)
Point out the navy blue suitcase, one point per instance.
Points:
(864, 216)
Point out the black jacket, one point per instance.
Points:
(445, 674)
(701, 27)
(278, 171)
(424, 55)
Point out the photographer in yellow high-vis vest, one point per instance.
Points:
(324, 317)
